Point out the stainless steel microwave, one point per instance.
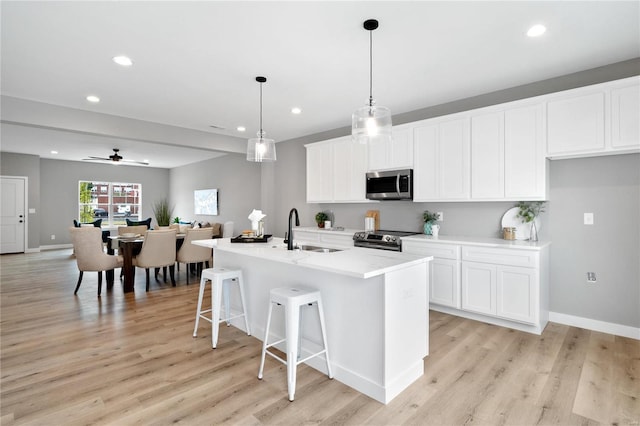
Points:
(390, 185)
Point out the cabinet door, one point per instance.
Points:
(454, 155)
(487, 156)
(479, 287)
(524, 161)
(426, 154)
(319, 173)
(349, 168)
(402, 148)
(516, 294)
(445, 282)
(576, 124)
(625, 117)
(378, 154)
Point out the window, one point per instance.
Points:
(113, 202)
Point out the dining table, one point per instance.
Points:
(128, 248)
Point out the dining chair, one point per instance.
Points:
(191, 253)
(87, 245)
(133, 229)
(158, 251)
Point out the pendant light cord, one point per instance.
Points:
(370, 68)
(261, 132)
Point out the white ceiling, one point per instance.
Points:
(195, 63)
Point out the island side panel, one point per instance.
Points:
(406, 327)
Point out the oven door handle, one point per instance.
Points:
(398, 183)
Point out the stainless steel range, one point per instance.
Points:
(383, 240)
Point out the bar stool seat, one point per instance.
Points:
(293, 299)
(220, 279)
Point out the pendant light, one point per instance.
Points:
(371, 122)
(261, 149)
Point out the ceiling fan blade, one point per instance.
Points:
(97, 158)
(146, 163)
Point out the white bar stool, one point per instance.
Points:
(293, 298)
(219, 277)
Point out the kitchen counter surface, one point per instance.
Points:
(479, 241)
(352, 261)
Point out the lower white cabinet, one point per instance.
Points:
(324, 236)
(489, 280)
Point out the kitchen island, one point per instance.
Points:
(375, 302)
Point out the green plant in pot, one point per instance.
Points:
(429, 220)
(162, 211)
(320, 218)
(527, 212)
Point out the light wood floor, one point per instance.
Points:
(130, 359)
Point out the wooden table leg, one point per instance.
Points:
(127, 266)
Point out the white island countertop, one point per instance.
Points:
(352, 261)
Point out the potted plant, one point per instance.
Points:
(320, 218)
(429, 220)
(162, 211)
(528, 211)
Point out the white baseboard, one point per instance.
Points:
(32, 250)
(55, 247)
(595, 325)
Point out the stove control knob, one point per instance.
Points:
(393, 239)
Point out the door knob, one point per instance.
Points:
(20, 216)
(20, 221)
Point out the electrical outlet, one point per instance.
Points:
(588, 218)
(591, 277)
(53, 237)
(440, 216)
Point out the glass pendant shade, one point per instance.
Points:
(261, 149)
(371, 124)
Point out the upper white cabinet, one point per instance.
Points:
(507, 154)
(625, 116)
(575, 123)
(594, 120)
(442, 160)
(396, 153)
(336, 171)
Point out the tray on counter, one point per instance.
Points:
(242, 239)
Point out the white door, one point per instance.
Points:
(445, 282)
(479, 287)
(12, 215)
(516, 293)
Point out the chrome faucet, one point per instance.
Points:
(290, 234)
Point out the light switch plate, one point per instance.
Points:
(588, 218)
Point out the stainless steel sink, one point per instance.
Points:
(318, 249)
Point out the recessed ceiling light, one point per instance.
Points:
(536, 30)
(125, 61)
(54, 152)
(295, 110)
(241, 128)
(93, 98)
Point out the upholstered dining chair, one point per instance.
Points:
(158, 250)
(191, 253)
(87, 245)
(133, 229)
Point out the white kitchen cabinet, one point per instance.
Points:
(336, 171)
(625, 116)
(507, 154)
(487, 156)
(327, 237)
(487, 279)
(442, 160)
(575, 123)
(444, 271)
(601, 119)
(396, 153)
(479, 283)
(525, 171)
(319, 172)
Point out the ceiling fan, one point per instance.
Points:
(115, 158)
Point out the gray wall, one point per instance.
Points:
(26, 165)
(59, 192)
(609, 187)
(238, 184)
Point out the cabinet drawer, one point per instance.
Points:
(497, 256)
(442, 251)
